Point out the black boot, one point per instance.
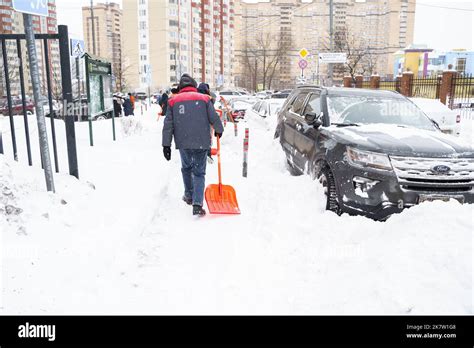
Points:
(198, 210)
(188, 201)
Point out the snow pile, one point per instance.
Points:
(131, 125)
(10, 213)
(131, 246)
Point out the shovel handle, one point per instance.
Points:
(219, 164)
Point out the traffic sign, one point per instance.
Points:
(303, 53)
(332, 57)
(34, 7)
(77, 48)
(303, 64)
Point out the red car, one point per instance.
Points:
(17, 107)
(239, 107)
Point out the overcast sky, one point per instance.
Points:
(441, 24)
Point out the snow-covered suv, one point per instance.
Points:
(375, 152)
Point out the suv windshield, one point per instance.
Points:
(352, 109)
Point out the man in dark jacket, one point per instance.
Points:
(203, 88)
(188, 119)
(117, 106)
(127, 107)
(164, 103)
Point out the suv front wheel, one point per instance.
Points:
(326, 178)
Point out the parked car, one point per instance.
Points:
(245, 98)
(375, 152)
(263, 94)
(229, 95)
(239, 109)
(141, 96)
(56, 109)
(17, 107)
(266, 108)
(281, 94)
(449, 121)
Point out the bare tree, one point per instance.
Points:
(56, 86)
(13, 75)
(262, 58)
(361, 58)
(120, 70)
(250, 66)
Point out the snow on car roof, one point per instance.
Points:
(362, 91)
(275, 101)
(431, 105)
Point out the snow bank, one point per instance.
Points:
(131, 125)
(131, 246)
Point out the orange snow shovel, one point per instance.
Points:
(221, 199)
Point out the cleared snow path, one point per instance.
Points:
(131, 246)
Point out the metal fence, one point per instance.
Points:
(461, 95)
(16, 105)
(426, 87)
(390, 85)
(366, 84)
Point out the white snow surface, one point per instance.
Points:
(121, 241)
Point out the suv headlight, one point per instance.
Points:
(368, 159)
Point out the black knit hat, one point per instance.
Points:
(187, 81)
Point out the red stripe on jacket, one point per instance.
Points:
(188, 94)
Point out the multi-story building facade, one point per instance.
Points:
(106, 40)
(378, 26)
(11, 22)
(426, 62)
(165, 39)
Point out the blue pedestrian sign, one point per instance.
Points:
(33, 7)
(77, 48)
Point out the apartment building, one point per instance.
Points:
(11, 22)
(165, 39)
(382, 27)
(103, 35)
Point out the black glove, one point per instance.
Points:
(167, 152)
(218, 135)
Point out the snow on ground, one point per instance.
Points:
(121, 241)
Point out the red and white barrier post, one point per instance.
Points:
(246, 152)
(236, 131)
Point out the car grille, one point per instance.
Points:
(415, 173)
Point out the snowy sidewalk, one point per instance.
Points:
(131, 246)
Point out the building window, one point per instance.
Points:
(461, 65)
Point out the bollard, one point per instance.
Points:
(246, 151)
(245, 164)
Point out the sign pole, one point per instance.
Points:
(331, 39)
(35, 81)
(89, 111)
(319, 81)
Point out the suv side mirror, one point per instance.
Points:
(313, 119)
(310, 117)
